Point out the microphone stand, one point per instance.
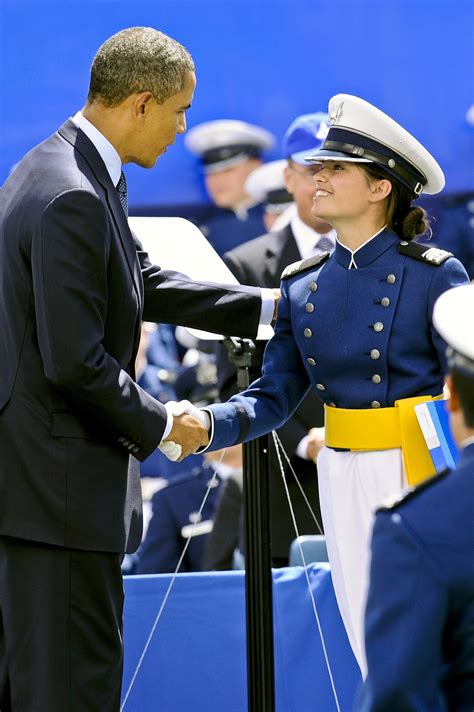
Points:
(257, 542)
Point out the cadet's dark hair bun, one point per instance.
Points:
(414, 223)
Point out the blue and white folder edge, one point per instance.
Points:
(434, 423)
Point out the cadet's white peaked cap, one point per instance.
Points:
(361, 133)
(224, 143)
(453, 317)
(267, 183)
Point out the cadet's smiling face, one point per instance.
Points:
(341, 190)
(156, 125)
(344, 190)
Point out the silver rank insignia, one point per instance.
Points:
(336, 114)
(433, 255)
(303, 265)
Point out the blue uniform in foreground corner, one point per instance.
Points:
(420, 609)
(361, 336)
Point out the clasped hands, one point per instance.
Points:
(189, 433)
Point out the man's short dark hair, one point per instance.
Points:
(465, 390)
(135, 60)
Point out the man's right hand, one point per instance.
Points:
(188, 433)
(277, 296)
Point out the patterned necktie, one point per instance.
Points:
(324, 244)
(121, 189)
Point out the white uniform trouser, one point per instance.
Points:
(352, 485)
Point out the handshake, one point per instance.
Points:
(189, 433)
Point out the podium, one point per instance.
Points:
(196, 661)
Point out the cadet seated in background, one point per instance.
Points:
(176, 518)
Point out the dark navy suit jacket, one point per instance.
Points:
(420, 609)
(74, 287)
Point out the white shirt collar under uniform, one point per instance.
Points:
(306, 237)
(105, 149)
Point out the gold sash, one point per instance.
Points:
(383, 429)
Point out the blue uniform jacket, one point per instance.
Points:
(420, 609)
(225, 230)
(362, 337)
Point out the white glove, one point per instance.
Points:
(185, 406)
(169, 448)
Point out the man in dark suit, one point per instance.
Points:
(419, 623)
(74, 287)
(261, 262)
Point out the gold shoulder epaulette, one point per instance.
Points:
(432, 255)
(303, 265)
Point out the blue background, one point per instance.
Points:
(263, 61)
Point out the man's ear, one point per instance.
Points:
(289, 177)
(141, 103)
(454, 405)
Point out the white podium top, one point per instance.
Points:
(177, 244)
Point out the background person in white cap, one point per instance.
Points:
(229, 150)
(420, 607)
(357, 326)
(266, 185)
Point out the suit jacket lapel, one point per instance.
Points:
(282, 252)
(86, 148)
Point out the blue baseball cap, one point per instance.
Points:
(305, 136)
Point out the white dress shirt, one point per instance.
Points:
(306, 238)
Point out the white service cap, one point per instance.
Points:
(224, 143)
(453, 317)
(266, 184)
(361, 133)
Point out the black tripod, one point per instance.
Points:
(257, 542)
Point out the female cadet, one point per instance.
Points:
(357, 326)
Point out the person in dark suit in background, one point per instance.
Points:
(74, 287)
(419, 621)
(261, 261)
